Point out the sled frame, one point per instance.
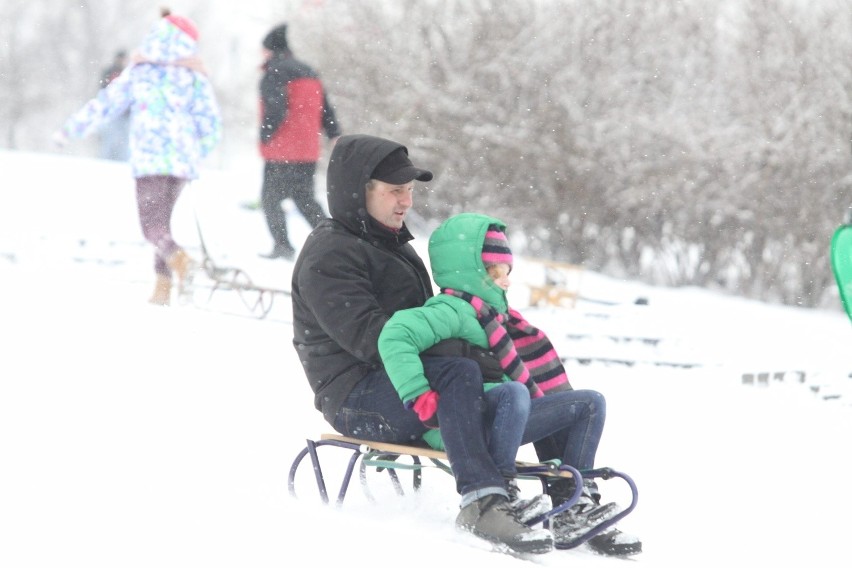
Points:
(257, 299)
(385, 457)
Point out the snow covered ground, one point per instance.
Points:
(132, 435)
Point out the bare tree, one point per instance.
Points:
(681, 142)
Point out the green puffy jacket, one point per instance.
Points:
(455, 253)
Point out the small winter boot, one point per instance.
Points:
(492, 519)
(526, 509)
(162, 291)
(183, 266)
(613, 542)
(586, 513)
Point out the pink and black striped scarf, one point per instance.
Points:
(524, 351)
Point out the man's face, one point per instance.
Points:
(388, 203)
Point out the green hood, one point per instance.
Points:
(455, 252)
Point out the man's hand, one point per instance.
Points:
(492, 371)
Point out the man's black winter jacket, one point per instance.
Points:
(351, 276)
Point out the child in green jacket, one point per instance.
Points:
(471, 261)
(532, 402)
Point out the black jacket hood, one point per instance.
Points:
(352, 161)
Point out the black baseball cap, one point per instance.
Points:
(397, 169)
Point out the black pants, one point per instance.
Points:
(285, 180)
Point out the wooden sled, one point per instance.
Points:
(386, 457)
(561, 284)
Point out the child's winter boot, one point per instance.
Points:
(162, 291)
(183, 266)
(526, 509)
(585, 515)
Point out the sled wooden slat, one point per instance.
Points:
(550, 470)
(399, 449)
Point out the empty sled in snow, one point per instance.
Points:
(256, 299)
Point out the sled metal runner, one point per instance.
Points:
(257, 299)
(386, 457)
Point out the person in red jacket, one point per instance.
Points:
(294, 110)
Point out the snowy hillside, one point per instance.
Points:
(132, 435)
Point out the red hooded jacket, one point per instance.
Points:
(294, 111)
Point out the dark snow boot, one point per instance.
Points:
(526, 509)
(586, 513)
(284, 251)
(615, 543)
(492, 519)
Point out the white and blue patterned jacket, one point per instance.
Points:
(175, 120)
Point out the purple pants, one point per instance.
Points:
(156, 197)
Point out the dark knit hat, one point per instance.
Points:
(396, 168)
(276, 40)
(495, 249)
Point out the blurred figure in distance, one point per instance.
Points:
(294, 109)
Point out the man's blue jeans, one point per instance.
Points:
(373, 411)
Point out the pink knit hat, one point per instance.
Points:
(182, 23)
(495, 249)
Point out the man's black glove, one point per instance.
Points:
(488, 363)
(492, 371)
